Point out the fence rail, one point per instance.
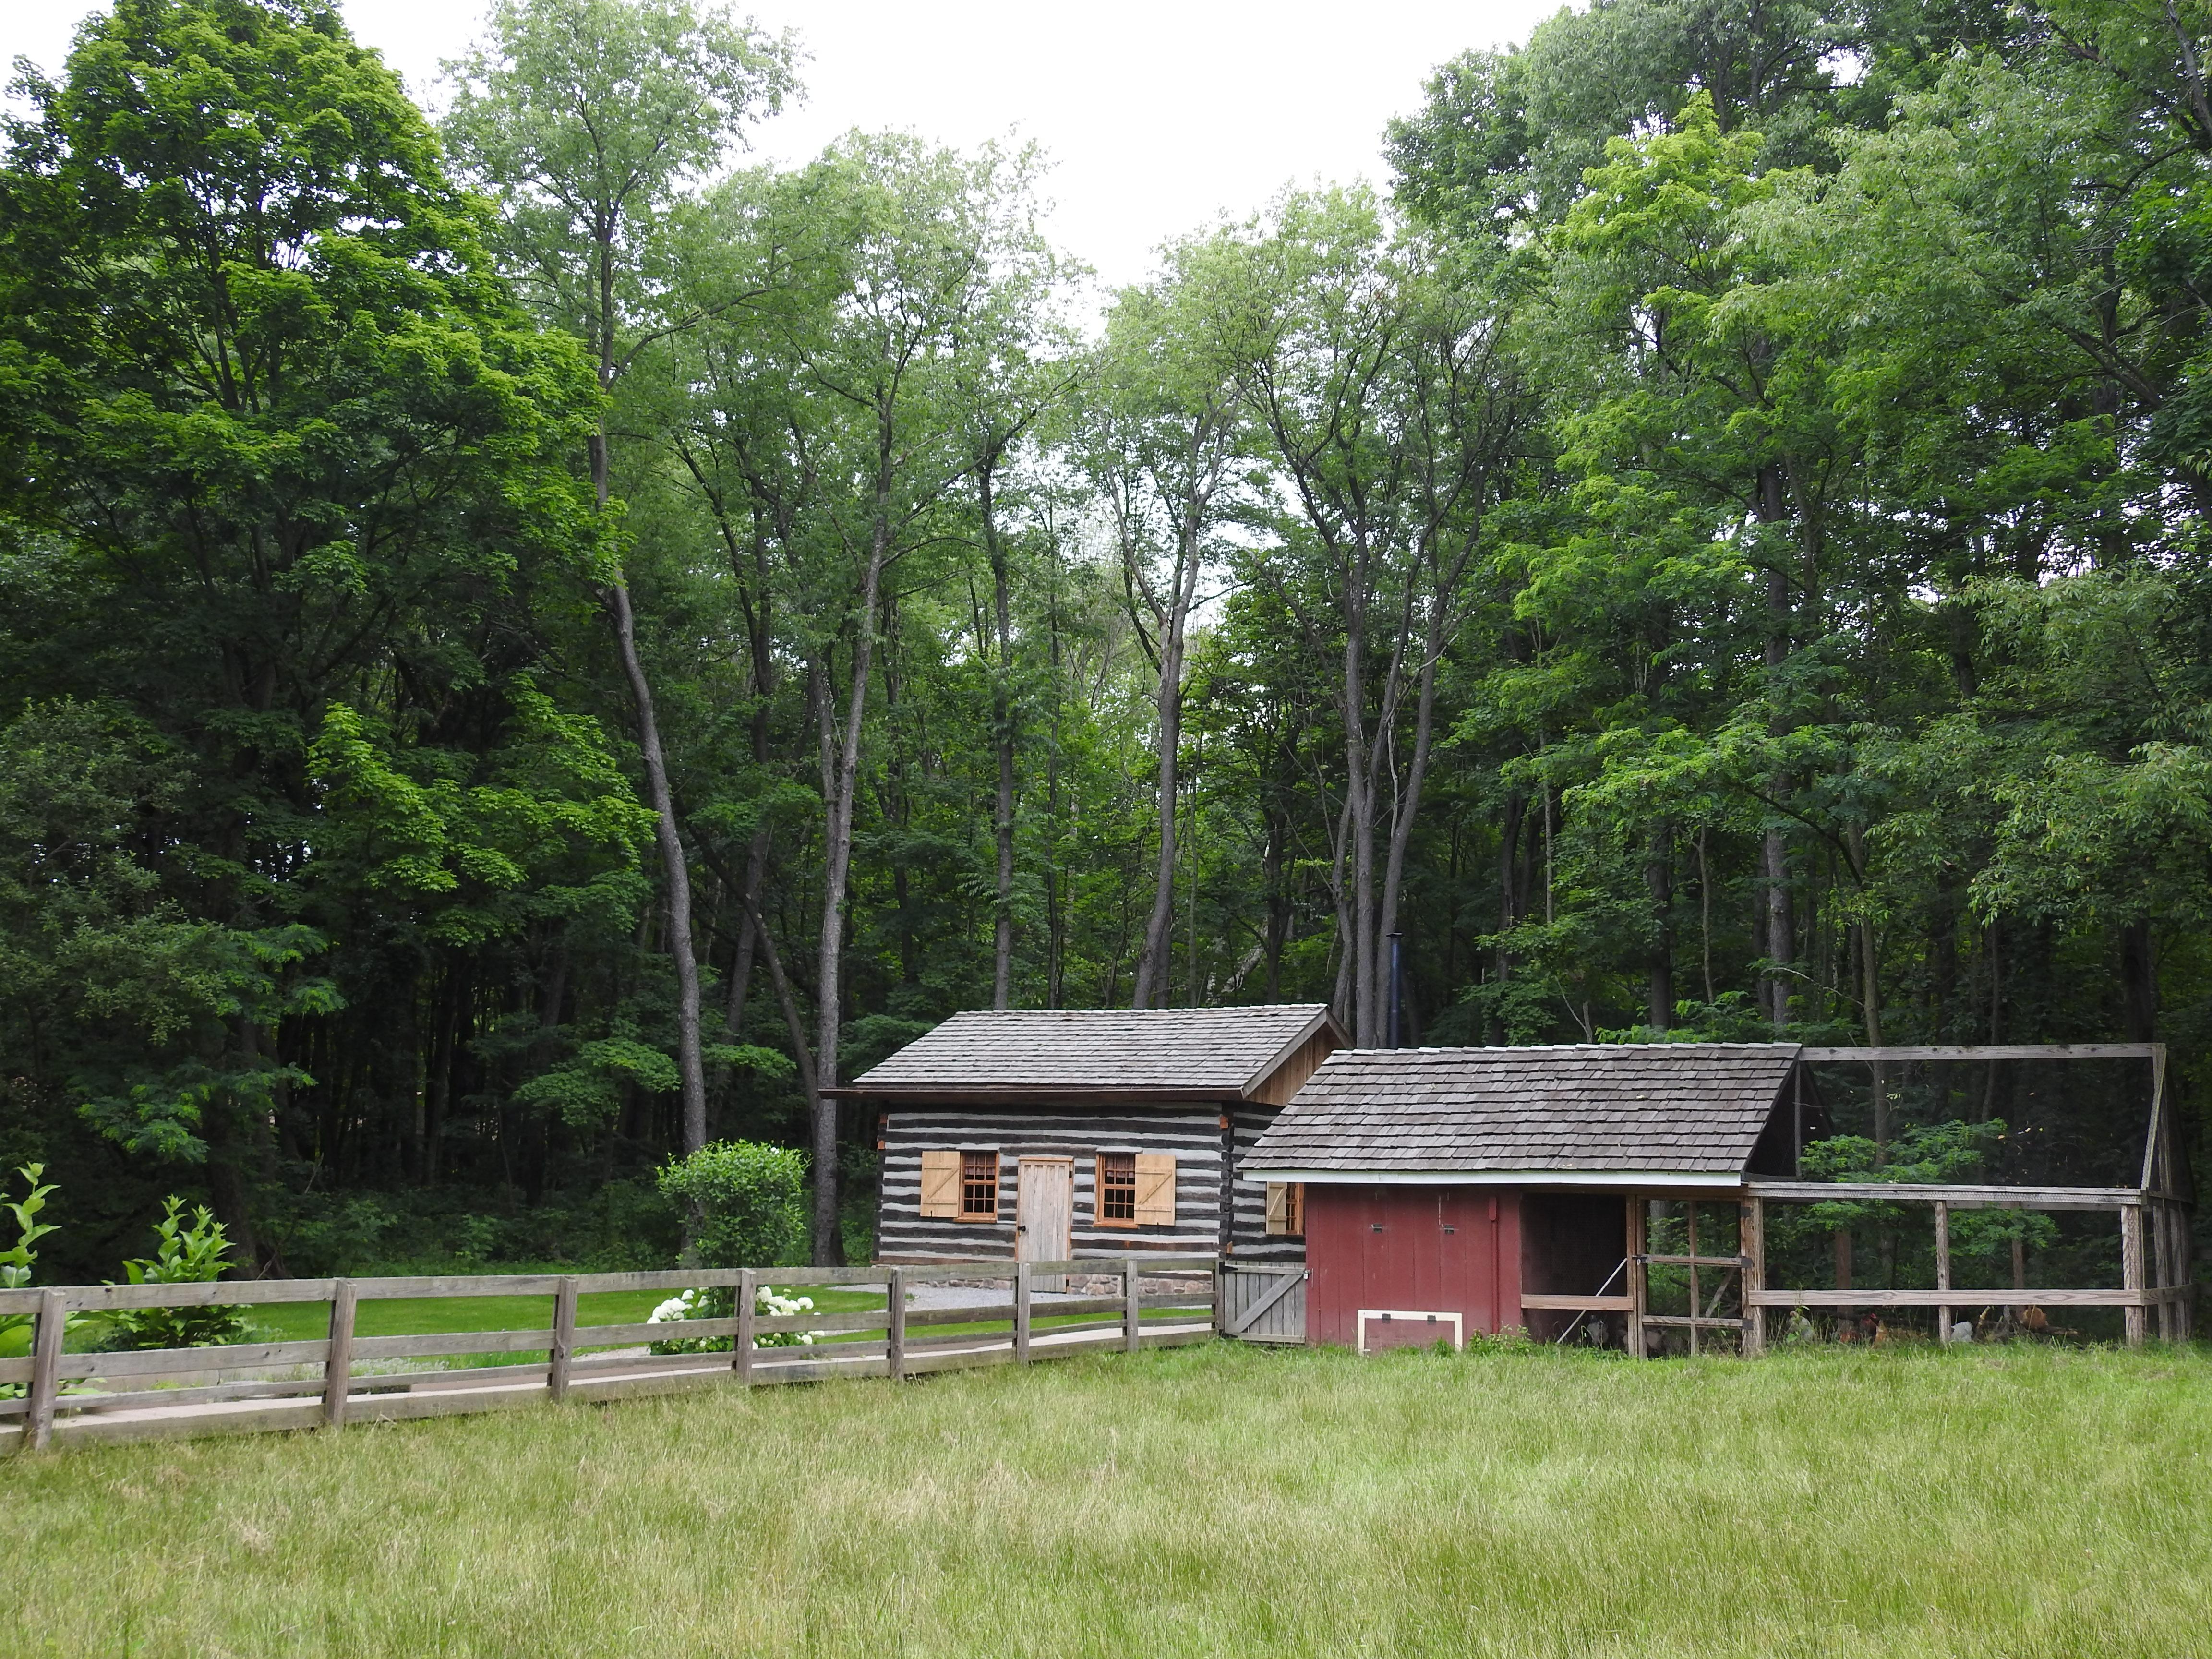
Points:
(66, 1398)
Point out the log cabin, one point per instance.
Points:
(1049, 1136)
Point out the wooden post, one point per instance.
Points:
(2162, 1265)
(338, 1366)
(741, 1356)
(1637, 1210)
(1943, 1269)
(46, 1370)
(1220, 1298)
(564, 1339)
(2131, 1269)
(2184, 1268)
(1689, 1210)
(1751, 1244)
(1022, 1312)
(894, 1343)
(1132, 1329)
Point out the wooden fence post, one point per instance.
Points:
(564, 1339)
(1132, 1311)
(1022, 1312)
(895, 1340)
(1943, 1269)
(46, 1370)
(1751, 1241)
(338, 1365)
(2131, 1269)
(741, 1354)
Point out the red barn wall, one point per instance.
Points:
(1419, 1249)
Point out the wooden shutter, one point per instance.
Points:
(1279, 1208)
(940, 1185)
(1156, 1183)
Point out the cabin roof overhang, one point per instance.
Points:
(1549, 1180)
(1098, 1056)
(1065, 1094)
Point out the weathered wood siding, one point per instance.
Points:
(1280, 1086)
(1249, 1239)
(1192, 1135)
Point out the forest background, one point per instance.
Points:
(531, 644)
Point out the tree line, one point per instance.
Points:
(535, 642)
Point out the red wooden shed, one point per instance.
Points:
(1449, 1191)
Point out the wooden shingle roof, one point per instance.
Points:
(1208, 1052)
(1693, 1109)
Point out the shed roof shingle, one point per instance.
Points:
(1691, 1107)
(1211, 1050)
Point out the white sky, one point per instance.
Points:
(1158, 114)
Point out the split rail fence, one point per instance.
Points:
(72, 1398)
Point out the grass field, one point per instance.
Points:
(1205, 1500)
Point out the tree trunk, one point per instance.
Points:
(2138, 984)
(1002, 732)
(1409, 803)
(1359, 799)
(681, 950)
(1774, 868)
(1154, 962)
(840, 772)
(1659, 883)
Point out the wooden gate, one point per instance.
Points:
(1263, 1302)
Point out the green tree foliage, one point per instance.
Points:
(747, 1201)
(509, 682)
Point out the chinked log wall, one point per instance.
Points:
(165, 1392)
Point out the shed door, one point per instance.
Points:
(1044, 1210)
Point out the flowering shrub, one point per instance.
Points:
(720, 1302)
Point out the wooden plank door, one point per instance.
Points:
(1044, 1214)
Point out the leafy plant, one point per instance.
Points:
(746, 1202)
(183, 1254)
(17, 1260)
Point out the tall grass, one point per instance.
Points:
(1213, 1500)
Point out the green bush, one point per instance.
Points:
(183, 1254)
(17, 1261)
(746, 1202)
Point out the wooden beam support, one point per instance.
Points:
(2132, 1271)
(1943, 1270)
(1132, 1311)
(338, 1363)
(1958, 1296)
(1544, 1302)
(1638, 1208)
(1958, 1197)
(1751, 1238)
(1689, 1210)
(2150, 1051)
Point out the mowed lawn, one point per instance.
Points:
(1208, 1500)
